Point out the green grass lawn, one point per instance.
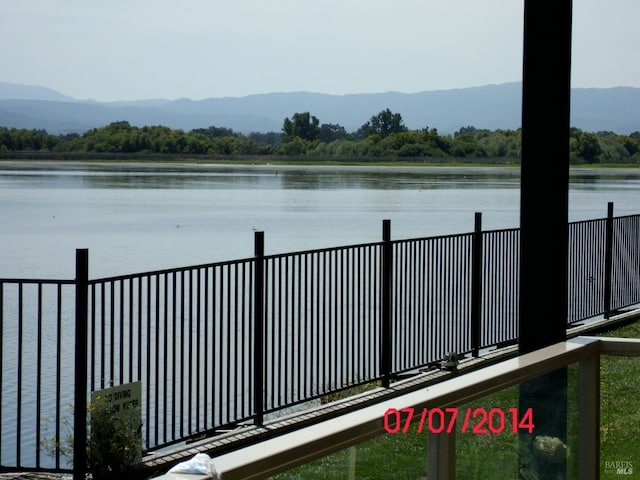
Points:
(620, 406)
(495, 456)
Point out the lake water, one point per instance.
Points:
(140, 217)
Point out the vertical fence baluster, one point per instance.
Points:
(608, 261)
(156, 348)
(308, 326)
(121, 372)
(112, 333)
(190, 312)
(182, 350)
(233, 327)
(198, 271)
(19, 375)
(58, 367)
(131, 331)
(324, 299)
(258, 319)
(205, 373)
(148, 364)
(386, 283)
(278, 373)
(165, 354)
(39, 374)
(229, 324)
(174, 348)
(103, 336)
(300, 321)
(476, 286)
(2, 361)
(80, 384)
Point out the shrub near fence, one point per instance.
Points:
(229, 342)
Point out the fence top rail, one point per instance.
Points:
(167, 271)
(276, 256)
(433, 238)
(624, 217)
(603, 219)
(172, 270)
(457, 235)
(302, 446)
(589, 221)
(36, 281)
(501, 230)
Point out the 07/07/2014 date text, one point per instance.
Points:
(476, 420)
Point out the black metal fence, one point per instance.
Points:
(218, 344)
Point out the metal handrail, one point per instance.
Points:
(302, 446)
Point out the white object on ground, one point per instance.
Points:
(200, 464)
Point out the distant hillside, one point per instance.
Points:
(491, 107)
(31, 92)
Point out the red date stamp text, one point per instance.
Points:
(474, 420)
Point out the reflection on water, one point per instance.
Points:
(144, 216)
(274, 177)
(208, 176)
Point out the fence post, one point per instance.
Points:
(386, 284)
(258, 325)
(476, 285)
(80, 384)
(608, 261)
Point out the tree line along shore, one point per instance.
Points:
(383, 137)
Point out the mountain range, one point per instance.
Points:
(491, 106)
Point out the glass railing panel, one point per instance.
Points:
(512, 433)
(503, 435)
(620, 410)
(619, 417)
(401, 456)
(486, 445)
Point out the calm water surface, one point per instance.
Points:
(139, 217)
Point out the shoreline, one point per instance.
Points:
(196, 165)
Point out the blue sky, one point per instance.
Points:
(136, 49)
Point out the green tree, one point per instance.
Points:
(295, 146)
(631, 143)
(197, 143)
(214, 132)
(17, 139)
(438, 146)
(272, 139)
(115, 137)
(466, 144)
(586, 146)
(228, 146)
(500, 143)
(301, 125)
(383, 124)
(330, 132)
